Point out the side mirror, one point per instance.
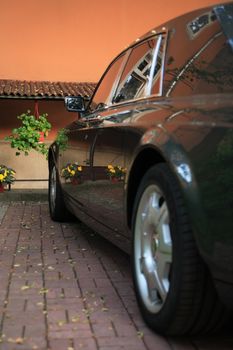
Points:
(75, 104)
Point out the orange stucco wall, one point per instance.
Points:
(74, 40)
(31, 170)
(58, 116)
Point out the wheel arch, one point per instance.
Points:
(52, 155)
(143, 161)
(50, 158)
(184, 171)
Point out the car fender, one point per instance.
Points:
(164, 148)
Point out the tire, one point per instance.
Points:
(173, 287)
(57, 207)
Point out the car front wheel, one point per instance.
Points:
(173, 287)
(57, 207)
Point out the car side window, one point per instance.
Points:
(135, 77)
(102, 94)
(136, 72)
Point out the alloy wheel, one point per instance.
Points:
(53, 186)
(153, 248)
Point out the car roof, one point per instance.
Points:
(174, 22)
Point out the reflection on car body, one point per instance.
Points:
(154, 147)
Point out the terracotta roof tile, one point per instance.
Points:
(43, 89)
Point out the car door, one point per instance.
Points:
(107, 187)
(77, 155)
(107, 192)
(81, 140)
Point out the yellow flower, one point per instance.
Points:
(1, 177)
(110, 167)
(72, 172)
(69, 170)
(80, 168)
(112, 171)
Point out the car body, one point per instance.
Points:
(154, 148)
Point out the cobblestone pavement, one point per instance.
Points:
(65, 288)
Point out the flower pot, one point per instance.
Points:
(75, 181)
(1, 187)
(41, 138)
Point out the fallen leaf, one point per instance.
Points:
(51, 268)
(104, 309)
(140, 334)
(43, 291)
(19, 340)
(10, 340)
(27, 227)
(25, 287)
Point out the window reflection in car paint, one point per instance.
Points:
(77, 153)
(185, 172)
(197, 25)
(209, 69)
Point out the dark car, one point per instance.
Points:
(149, 165)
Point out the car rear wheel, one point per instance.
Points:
(57, 207)
(173, 287)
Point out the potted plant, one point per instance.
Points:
(62, 139)
(30, 135)
(72, 172)
(116, 173)
(7, 176)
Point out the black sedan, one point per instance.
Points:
(148, 164)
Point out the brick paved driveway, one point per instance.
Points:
(65, 288)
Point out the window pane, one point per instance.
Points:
(105, 88)
(136, 73)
